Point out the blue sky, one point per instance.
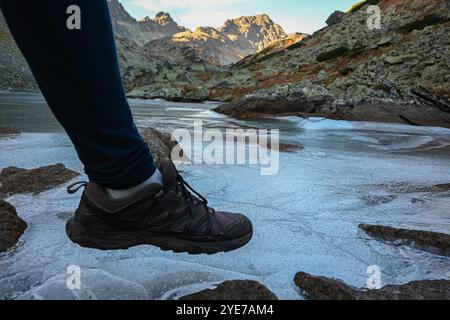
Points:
(292, 15)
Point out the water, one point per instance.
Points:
(305, 217)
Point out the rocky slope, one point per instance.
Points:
(183, 75)
(14, 72)
(346, 71)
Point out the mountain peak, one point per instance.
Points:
(163, 18)
(260, 30)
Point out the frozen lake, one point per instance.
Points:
(305, 217)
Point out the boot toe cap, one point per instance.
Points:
(241, 227)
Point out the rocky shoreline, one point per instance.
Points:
(309, 100)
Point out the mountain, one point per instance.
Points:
(142, 31)
(252, 33)
(233, 41)
(161, 26)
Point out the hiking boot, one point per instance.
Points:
(172, 216)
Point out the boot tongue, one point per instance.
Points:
(169, 172)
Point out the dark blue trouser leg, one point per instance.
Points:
(78, 73)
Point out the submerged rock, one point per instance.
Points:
(11, 226)
(15, 180)
(323, 288)
(428, 239)
(161, 145)
(234, 290)
(4, 131)
(443, 186)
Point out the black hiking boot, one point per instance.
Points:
(169, 217)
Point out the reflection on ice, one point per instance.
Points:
(305, 217)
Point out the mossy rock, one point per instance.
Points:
(332, 54)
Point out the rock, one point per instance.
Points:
(162, 146)
(439, 242)
(333, 53)
(304, 97)
(335, 17)
(236, 290)
(416, 4)
(428, 97)
(385, 41)
(15, 180)
(323, 288)
(8, 131)
(430, 72)
(374, 200)
(11, 226)
(443, 186)
(400, 59)
(321, 76)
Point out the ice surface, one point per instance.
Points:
(305, 218)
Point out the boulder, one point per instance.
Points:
(304, 97)
(436, 241)
(15, 180)
(323, 288)
(400, 59)
(335, 17)
(11, 226)
(5, 131)
(236, 290)
(162, 145)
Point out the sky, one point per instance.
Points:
(293, 15)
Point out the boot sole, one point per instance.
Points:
(124, 240)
